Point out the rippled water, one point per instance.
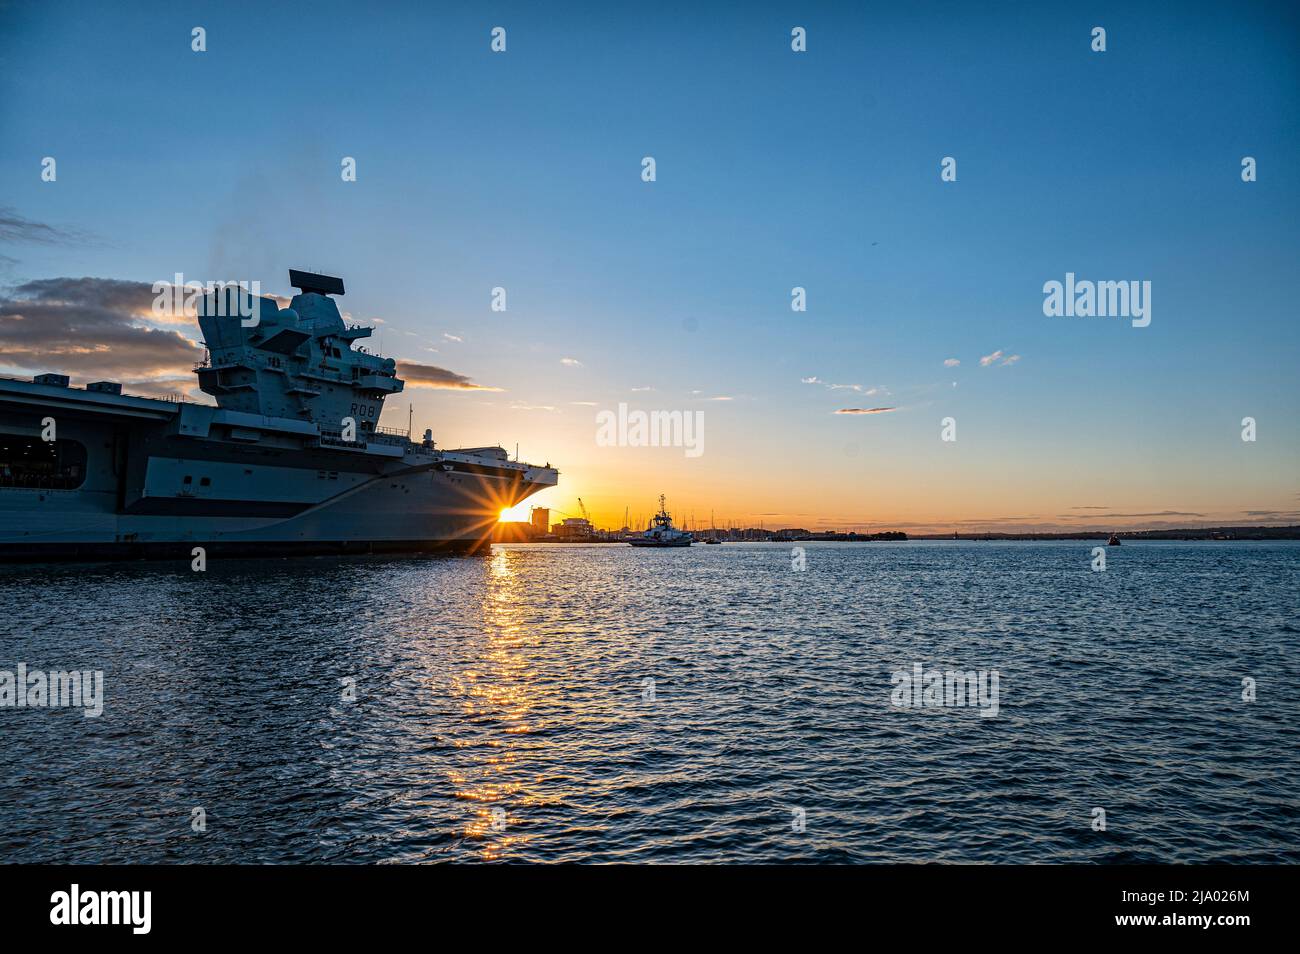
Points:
(502, 709)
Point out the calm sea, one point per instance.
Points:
(602, 703)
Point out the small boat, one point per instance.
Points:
(662, 533)
(1113, 541)
(712, 540)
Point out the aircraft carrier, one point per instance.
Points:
(290, 460)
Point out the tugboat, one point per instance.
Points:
(1113, 541)
(663, 533)
(290, 459)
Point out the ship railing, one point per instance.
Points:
(394, 440)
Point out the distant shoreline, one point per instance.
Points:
(1199, 533)
(755, 535)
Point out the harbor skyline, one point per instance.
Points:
(821, 171)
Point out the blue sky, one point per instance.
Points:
(775, 169)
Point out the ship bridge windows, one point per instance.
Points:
(28, 461)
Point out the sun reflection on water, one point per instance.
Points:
(499, 696)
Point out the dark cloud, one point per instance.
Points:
(109, 293)
(430, 376)
(14, 228)
(91, 328)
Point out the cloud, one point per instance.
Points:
(634, 390)
(584, 403)
(997, 357)
(951, 362)
(865, 410)
(91, 328)
(452, 337)
(857, 388)
(861, 389)
(980, 521)
(429, 376)
(722, 397)
(571, 362)
(521, 406)
(1158, 513)
(111, 293)
(18, 230)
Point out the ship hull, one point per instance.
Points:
(429, 509)
(657, 544)
(158, 486)
(113, 552)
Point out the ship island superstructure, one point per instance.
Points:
(291, 459)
